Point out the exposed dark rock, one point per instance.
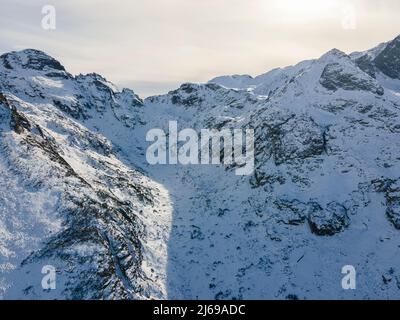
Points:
(391, 189)
(260, 178)
(196, 233)
(327, 222)
(334, 77)
(292, 212)
(393, 206)
(5, 59)
(393, 212)
(366, 65)
(19, 122)
(33, 59)
(288, 138)
(388, 61)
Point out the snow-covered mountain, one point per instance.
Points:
(77, 193)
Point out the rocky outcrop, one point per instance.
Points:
(388, 61)
(328, 221)
(335, 77)
(391, 189)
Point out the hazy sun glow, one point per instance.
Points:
(154, 46)
(305, 7)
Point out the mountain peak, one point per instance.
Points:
(31, 59)
(335, 53)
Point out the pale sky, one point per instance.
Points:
(153, 46)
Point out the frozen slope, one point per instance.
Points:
(70, 199)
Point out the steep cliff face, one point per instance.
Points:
(78, 193)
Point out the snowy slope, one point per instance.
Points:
(78, 193)
(70, 199)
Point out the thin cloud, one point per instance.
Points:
(167, 42)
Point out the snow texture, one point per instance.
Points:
(76, 191)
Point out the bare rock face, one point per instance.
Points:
(384, 59)
(292, 212)
(335, 77)
(393, 211)
(328, 221)
(32, 59)
(391, 190)
(388, 61)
